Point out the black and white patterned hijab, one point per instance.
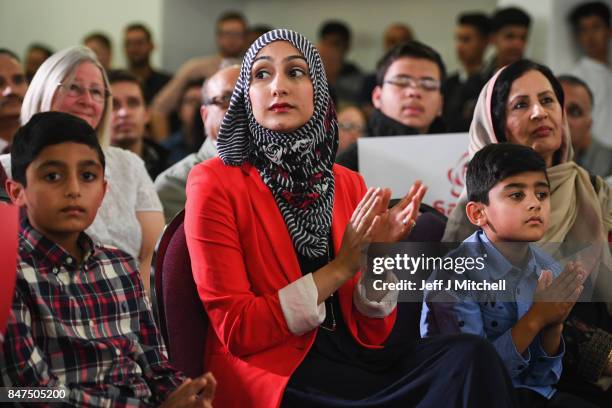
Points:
(296, 166)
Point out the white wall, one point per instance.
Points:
(433, 21)
(62, 23)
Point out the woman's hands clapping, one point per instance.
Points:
(395, 223)
(372, 221)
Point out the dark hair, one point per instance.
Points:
(140, 27)
(261, 29)
(11, 54)
(496, 162)
(41, 47)
(100, 37)
(414, 49)
(336, 27)
(594, 8)
(47, 129)
(232, 15)
(479, 21)
(575, 81)
(509, 16)
(119, 75)
(501, 90)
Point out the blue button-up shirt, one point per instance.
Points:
(533, 369)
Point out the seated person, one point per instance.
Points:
(82, 322)
(407, 96)
(589, 152)
(509, 200)
(129, 122)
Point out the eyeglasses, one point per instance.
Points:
(426, 84)
(350, 127)
(222, 101)
(75, 90)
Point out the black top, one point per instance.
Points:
(154, 83)
(460, 99)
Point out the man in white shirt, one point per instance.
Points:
(591, 24)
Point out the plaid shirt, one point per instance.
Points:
(87, 328)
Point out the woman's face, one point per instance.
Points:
(281, 91)
(534, 116)
(82, 94)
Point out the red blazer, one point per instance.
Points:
(241, 255)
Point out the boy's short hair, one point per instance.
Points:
(594, 8)
(47, 129)
(496, 162)
(411, 49)
(509, 16)
(480, 21)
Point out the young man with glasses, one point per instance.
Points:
(407, 98)
(216, 94)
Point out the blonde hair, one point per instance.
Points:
(55, 69)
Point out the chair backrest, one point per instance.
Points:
(182, 318)
(429, 227)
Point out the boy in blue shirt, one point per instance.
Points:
(509, 199)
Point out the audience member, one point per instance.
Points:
(129, 121)
(395, 34)
(588, 152)
(509, 201)
(231, 37)
(407, 98)
(591, 25)
(13, 87)
(509, 34)
(35, 56)
(216, 94)
(351, 126)
(336, 35)
(462, 88)
(82, 321)
(102, 46)
(523, 104)
(272, 253)
(184, 141)
(131, 216)
(138, 45)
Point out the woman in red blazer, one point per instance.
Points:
(276, 234)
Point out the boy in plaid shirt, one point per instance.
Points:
(81, 319)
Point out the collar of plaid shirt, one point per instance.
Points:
(86, 327)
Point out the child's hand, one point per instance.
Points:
(555, 298)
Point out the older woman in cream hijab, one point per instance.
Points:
(523, 104)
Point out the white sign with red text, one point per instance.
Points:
(440, 161)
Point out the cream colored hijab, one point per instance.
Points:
(579, 213)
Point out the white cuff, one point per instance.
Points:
(371, 308)
(298, 300)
